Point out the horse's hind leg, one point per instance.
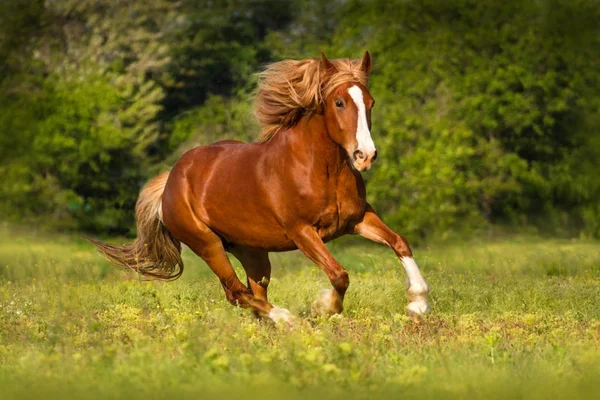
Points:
(207, 245)
(258, 271)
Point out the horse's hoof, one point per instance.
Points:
(281, 316)
(418, 309)
(328, 303)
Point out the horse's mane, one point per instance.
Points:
(290, 89)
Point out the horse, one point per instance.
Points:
(297, 187)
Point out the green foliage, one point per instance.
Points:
(218, 119)
(61, 162)
(76, 126)
(19, 19)
(512, 319)
(487, 112)
(218, 46)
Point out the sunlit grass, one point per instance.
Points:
(511, 319)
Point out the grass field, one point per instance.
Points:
(511, 319)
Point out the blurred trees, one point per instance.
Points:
(79, 112)
(487, 112)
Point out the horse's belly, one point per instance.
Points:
(259, 235)
(264, 241)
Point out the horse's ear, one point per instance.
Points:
(326, 64)
(367, 63)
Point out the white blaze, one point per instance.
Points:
(363, 135)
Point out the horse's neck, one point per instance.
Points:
(311, 137)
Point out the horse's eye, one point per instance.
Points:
(339, 104)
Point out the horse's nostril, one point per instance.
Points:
(359, 155)
(374, 156)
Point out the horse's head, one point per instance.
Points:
(348, 116)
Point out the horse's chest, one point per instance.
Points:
(344, 206)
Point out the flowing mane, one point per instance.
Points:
(290, 89)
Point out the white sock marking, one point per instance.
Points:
(280, 314)
(415, 279)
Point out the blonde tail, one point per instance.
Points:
(155, 253)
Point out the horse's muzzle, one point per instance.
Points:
(362, 160)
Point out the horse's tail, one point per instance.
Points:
(155, 253)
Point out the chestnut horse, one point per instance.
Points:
(297, 187)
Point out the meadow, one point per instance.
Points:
(517, 317)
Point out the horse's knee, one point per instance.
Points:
(401, 247)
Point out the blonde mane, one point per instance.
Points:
(290, 89)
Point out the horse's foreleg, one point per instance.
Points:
(309, 243)
(372, 227)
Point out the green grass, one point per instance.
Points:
(511, 319)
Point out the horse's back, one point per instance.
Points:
(223, 185)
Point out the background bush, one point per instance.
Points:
(487, 112)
